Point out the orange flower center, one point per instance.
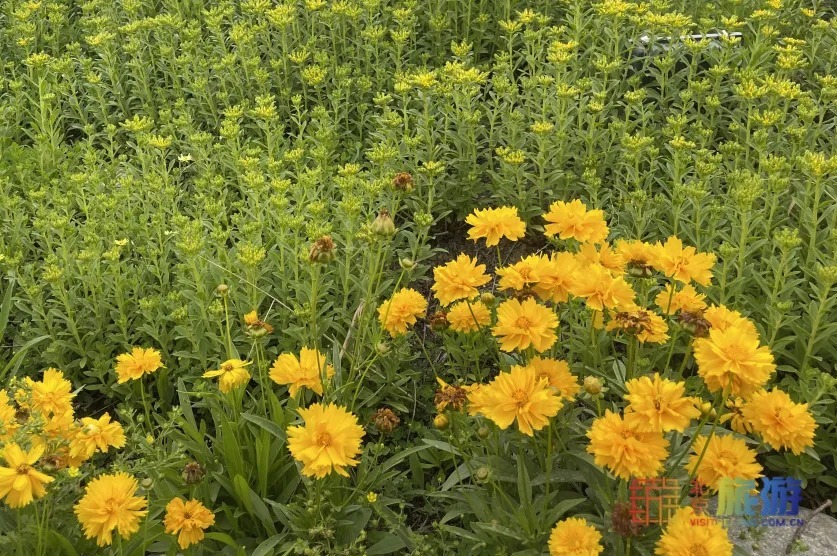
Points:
(523, 322)
(627, 434)
(657, 403)
(227, 367)
(698, 550)
(323, 439)
(23, 469)
(520, 397)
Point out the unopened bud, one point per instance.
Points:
(383, 224)
(488, 299)
(441, 421)
(382, 347)
(407, 264)
(592, 385)
(482, 473)
(222, 290)
(483, 432)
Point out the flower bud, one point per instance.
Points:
(222, 290)
(407, 264)
(383, 224)
(483, 432)
(193, 473)
(403, 181)
(322, 250)
(382, 348)
(439, 321)
(441, 421)
(385, 420)
(482, 474)
(488, 299)
(592, 385)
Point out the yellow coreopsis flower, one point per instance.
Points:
(134, 365)
(604, 256)
(637, 255)
(659, 404)
(98, 433)
(558, 375)
(458, 279)
(556, 277)
(305, 372)
(600, 290)
(687, 299)
(520, 325)
(522, 274)
(52, 394)
(402, 310)
(732, 360)
(735, 416)
(721, 317)
(232, 374)
(683, 263)
(187, 519)
(725, 457)
(780, 422)
(573, 220)
(520, 395)
(20, 482)
(329, 440)
(495, 223)
(645, 325)
(109, 503)
(8, 422)
(468, 316)
(708, 537)
(617, 444)
(574, 537)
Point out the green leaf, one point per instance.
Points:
(267, 425)
(387, 545)
(266, 547)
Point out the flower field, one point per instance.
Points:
(364, 277)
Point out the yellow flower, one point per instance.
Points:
(638, 256)
(53, 394)
(8, 423)
(20, 483)
(573, 220)
(780, 422)
(477, 398)
(687, 300)
(681, 536)
(520, 394)
(465, 318)
(329, 440)
(683, 263)
(722, 317)
(231, 374)
(371, 497)
(109, 503)
(520, 325)
(459, 279)
(401, 310)
(735, 416)
(556, 277)
(96, 433)
(523, 273)
(732, 360)
(604, 256)
(494, 223)
(658, 405)
(141, 361)
(305, 372)
(187, 520)
(558, 375)
(600, 290)
(726, 457)
(617, 444)
(645, 325)
(574, 537)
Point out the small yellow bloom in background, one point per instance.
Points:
(187, 520)
(703, 537)
(659, 404)
(109, 504)
(573, 221)
(733, 360)
(73, 471)
(20, 482)
(520, 395)
(403, 309)
(726, 457)
(233, 373)
(721, 317)
(149, 439)
(574, 537)
(134, 365)
(520, 325)
(8, 422)
(328, 441)
(683, 263)
(371, 497)
(465, 318)
(780, 422)
(52, 395)
(495, 223)
(458, 279)
(616, 443)
(686, 299)
(600, 290)
(558, 375)
(95, 434)
(305, 372)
